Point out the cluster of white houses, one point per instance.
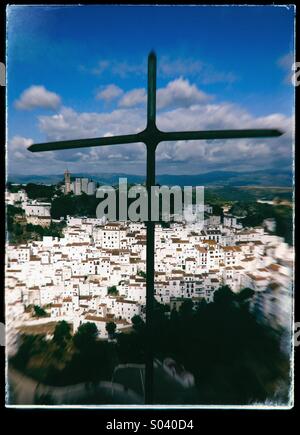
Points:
(36, 212)
(71, 277)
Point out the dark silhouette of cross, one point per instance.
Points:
(151, 137)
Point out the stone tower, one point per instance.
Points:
(67, 182)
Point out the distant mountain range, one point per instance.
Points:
(271, 177)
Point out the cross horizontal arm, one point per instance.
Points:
(84, 143)
(219, 134)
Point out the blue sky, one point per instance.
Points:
(80, 71)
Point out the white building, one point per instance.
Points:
(91, 190)
(70, 276)
(35, 208)
(77, 186)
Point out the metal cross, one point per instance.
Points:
(151, 137)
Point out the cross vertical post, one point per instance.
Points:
(150, 265)
(151, 137)
(151, 145)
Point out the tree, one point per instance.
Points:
(137, 323)
(142, 274)
(174, 316)
(39, 191)
(12, 211)
(81, 205)
(30, 346)
(112, 290)
(186, 309)
(223, 295)
(62, 333)
(85, 336)
(111, 329)
(63, 206)
(39, 312)
(245, 295)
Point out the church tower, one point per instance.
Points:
(67, 182)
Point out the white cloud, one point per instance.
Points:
(180, 93)
(181, 156)
(183, 106)
(20, 142)
(109, 93)
(285, 63)
(19, 156)
(182, 67)
(177, 93)
(17, 149)
(101, 67)
(167, 67)
(37, 96)
(133, 98)
(117, 68)
(69, 124)
(205, 72)
(238, 154)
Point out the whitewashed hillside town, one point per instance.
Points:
(71, 277)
